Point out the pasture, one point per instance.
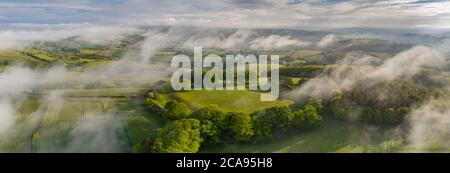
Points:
(241, 101)
(68, 125)
(333, 136)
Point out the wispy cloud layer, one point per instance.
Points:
(235, 13)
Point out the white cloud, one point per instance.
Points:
(407, 63)
(429, 124)
(225, 13)
(23, 34)
(327, 40)
(49, 6)
(401, 66)
(275, 42)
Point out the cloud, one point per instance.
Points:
(407, 63)
(327, 41)
(14, 83)
(7, 117)
(316, 14)
(237, 38)
(251, 3)
(21, 35)
(360, 67)
(49, 6)
(276, 42)
(429, 124)
(99, 133)
(210, 38)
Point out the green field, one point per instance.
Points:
(120, 122)
(140, 124)
(241, 101)
(60, 127)
(44, 57)
(68, 125)
(333, 136)
(104, 92)
(89, 63)
(17, 56)
(113, 117)
(50, 128)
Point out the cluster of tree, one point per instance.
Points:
(307, 71)
(36, 57)
(432, 78)
(4, 62)
(291, 83)
(181, 136)
(288, 82)
(280, 120)
(386, 102)
(162, 86)
(186, 131)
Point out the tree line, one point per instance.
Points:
(187, 131)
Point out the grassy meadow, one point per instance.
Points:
(241, 101)
(333, 136)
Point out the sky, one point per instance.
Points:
(312, 14)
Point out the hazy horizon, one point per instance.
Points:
(290, 14)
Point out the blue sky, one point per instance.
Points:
(321, 14)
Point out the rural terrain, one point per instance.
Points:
(339, 92)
